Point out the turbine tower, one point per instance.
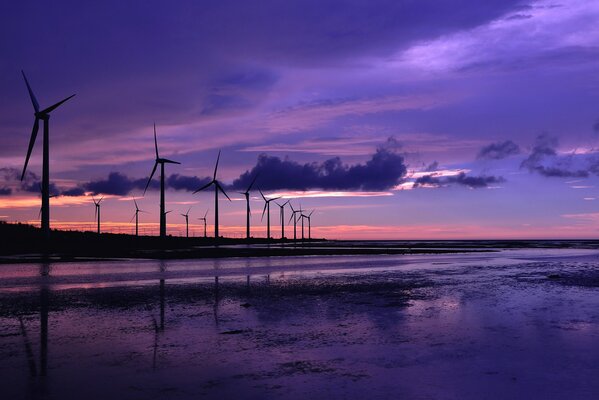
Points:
(217, 187)
(282, 207)
(160, 161)
(97, 212)
(204, 219)
(294, 218)
(246, 194)
(309, 217)
(267, 210)
(186, 216)
(43, 115)
(136, 216)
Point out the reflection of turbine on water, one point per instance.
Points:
(159, 327)
(44, 308)
(216, 291)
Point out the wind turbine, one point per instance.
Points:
(160, 161)
(282, 207)
(217, 187)
(294, 218)
(136, 216)
(43, 115)
(308, 217)
(246, 194)
(97, 212)
(204, 219)
(186, 216)
(267, 210)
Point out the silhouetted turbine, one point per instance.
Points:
(267, 210)
(282, 207)
(136, 216)
(294, 218)
(204, 219)
(217, 187)
(44, 115)
(246, 194)
(186, 216)
(160, 161)
(308, 217)
(97, 212)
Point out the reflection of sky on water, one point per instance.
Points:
(442, 329)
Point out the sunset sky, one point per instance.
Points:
(397, 119)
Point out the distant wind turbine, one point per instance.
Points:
(136, 216)
(246, 194)
(267, 210)
(308, 217)
(217, 187)
(97, 212)
(204, 219)
(282, 209)
(43, 115)
(160, 161)
(294, 218)
(186, 216)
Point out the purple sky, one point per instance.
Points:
(450, 119)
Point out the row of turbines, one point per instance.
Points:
(44, 116)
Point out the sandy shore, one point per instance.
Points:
(510, 324)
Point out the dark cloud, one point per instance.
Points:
(32, 183)
(498, 151)
(117, 184)
(189, 183)
(5, 191)
(473, 182)
(543, 159)
(432, 167)
(384, 170)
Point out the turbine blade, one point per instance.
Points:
(252, 184)
(96, 212)
(262, 194)
(291, 205)
(156, 142)
(36, 105)
(216, 166)
(205, 215)
(204, 187)
(55, 106)
(39, 216)
(222, 190)
(36, 126)
(136, 207)
(167, 161)
(151, 175)
(263, 211)
(133, 217)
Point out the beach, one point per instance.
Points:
(508, 323)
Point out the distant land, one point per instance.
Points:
(25, 243)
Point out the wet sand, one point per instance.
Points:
(507, 324)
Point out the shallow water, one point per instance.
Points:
(510, 324)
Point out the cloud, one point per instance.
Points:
(189, 183)
(473, 182)
(596, 126)
(5, 191)
(543, 159)
(384, 170)
(432, 167)
(498, 151)
(117, 184)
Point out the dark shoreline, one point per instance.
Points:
(24, 244)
